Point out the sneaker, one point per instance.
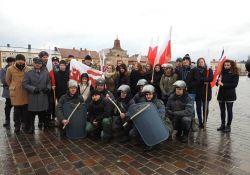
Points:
(227, 129)
(221, 128)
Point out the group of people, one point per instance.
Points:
(172, 89)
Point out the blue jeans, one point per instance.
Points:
(192, 96)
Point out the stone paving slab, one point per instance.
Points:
(208, 151)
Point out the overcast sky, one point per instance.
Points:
(199, 27)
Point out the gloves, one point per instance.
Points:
(36, 91)
(46, 90)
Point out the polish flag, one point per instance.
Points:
(164, 54)
(77, 68)
(218, 70)
(49, 66)
(152, 51)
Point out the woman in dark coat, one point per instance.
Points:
(204, 91)
(227, 82)
(122, 76)
(136, 74)
(158, 72)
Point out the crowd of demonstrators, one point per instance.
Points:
(172, 89)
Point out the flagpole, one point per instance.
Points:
(152, 79)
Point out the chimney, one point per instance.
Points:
(80, 49)
(29, 46)
(8, 45)
(55, 49)
(73, 48)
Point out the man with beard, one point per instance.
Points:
(18, 94)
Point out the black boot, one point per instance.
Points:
(227, 129)
(6, 124)
(184, 138)
(221, 128)
(124, 139)
(17, 130)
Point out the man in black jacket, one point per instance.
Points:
(190, 75)
(61, 78)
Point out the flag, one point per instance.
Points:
(152, 51)
(218, 69)
(77, 68)
(164, 54)
(103, 60)
(49, 66)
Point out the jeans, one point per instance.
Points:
(200, 109)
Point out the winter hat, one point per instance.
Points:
(55, 59)
(85, 75)
(20, 57)
(62, 62)
(186, 57)
(72, 83)
(37, 60)
(10, 59)
(88, 57)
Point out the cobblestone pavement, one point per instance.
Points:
(208, 151)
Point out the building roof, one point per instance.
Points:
(77, 53)
(134, 58)
(26, 50)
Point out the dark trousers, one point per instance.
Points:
(7, 109)
(41, 115)
(20, 115)
(229, 106)
(200, 109)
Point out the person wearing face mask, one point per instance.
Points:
(227, 82)
(18, 94)
(6, 93)
(37, 83)
(204, 91)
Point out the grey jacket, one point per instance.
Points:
(6, 92)
(166, 84)
(41, 80)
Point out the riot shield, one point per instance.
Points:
(77, 124)
(148, 123)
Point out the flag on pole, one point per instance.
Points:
(49, 66)
(164, 54)
(218, 69)
(152, 51)
(77, 68)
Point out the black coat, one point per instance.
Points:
(230, 82)
(99, 110)
(61, 78)
(156, 83)
(191, 76)
(121, 79)
(206, 77)
(134, 77)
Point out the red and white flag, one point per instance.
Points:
(77, 69)
(164, 54)
(218, 69)
(152, 51)
(49, 66)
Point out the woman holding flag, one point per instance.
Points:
(204, 91)
(227, 82)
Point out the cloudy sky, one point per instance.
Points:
(200, 28)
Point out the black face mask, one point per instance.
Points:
(20, 66)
